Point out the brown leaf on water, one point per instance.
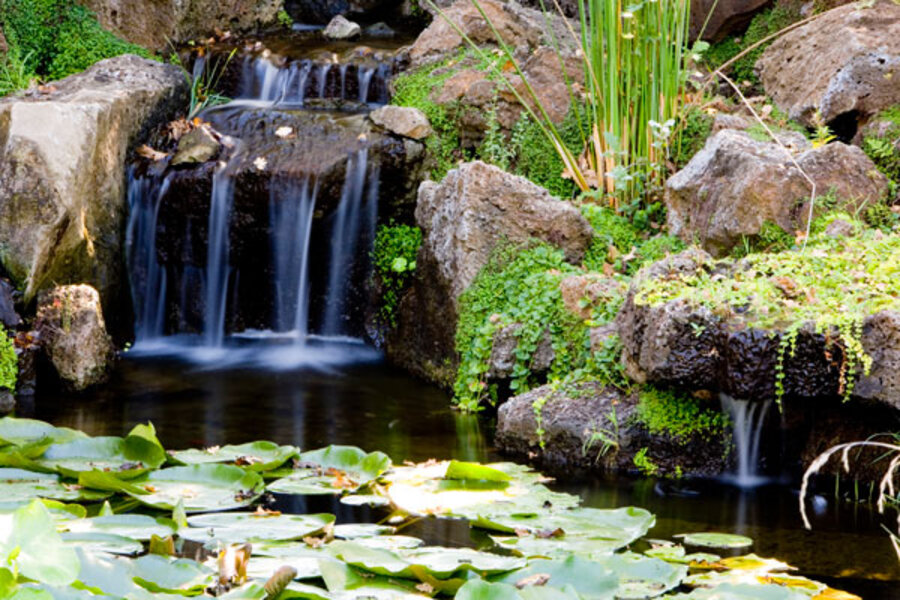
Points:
(532, 580)
(341, 480)
(149, 153)
(262, 511)
(550, 533)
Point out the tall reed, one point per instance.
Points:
(633, 58)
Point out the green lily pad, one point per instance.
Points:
(332, 470)
(30, 542)
(256, 456)
(134, 526)
(352, 531)
(201, 488)
(103, 542)
(716, 540)
(478, 589)
(21, 432)
(307, 567)
(644, 577)
(728, 591)
(592, 580)
(128, 457)
(180, 576)
(233, 528)
(475, 471)
(340, 577)
(19, 485)
(61, 512)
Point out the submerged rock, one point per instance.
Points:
(735, 185)
(462, 219)
(403, 121)
(157, 24)
(62, 171)
(806, 71)
(340, 28)
(73, 335)
(593, 426)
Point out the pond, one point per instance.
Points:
(348, 395)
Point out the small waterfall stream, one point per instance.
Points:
(191, 292)
(748, 419)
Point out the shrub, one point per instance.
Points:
(394, 255)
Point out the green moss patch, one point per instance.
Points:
(394, 255)
(679, 415)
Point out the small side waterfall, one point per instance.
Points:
(217, 271)
(748, 419)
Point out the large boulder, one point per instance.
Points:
(156, 24)
(736, 184)
(62, 171)
(462, 219)
(806, 72)
(686, 344)
(593, 426)
(717, 18)
(73, 335)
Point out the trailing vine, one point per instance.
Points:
(394, 255)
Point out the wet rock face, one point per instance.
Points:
(62, 171)
(462, 219)
(676, 343)
(805, 71)
(156, 23)
(73, 335)
(736, 184)
(577, 418)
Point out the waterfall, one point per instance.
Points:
(216, 292)
(292, 204)
(748, 419)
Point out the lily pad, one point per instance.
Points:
(171, 575)
(475, 471)
(592, 580)
(351, 531)
(332, 470)
(103, 542)
(239, 527)
(201, 488)
(128, 457)
(134, 526)
(716, 540)
(340, 577)
(19, 485)
(255, 456)
(728, 591)
(20, 432)
(30, 542)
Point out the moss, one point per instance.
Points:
(610, 229)
(832, 285)
(763, 25)
(645, 464)
(394, 257)
(679, 415)
(535, 157)
(9, 362)
(56, 38)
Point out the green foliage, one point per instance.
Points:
(654, 249)
(830, 286)
(536, 158)
(414, 89)
(771, 238)
(284, 19)
(679, 415)
(645, 464)
(694, 126)
(9, 362)
(611, 230)
(56, 38)
(884, 149)
(14, 73)
(495, 148)
(394, 256)
(763, 25)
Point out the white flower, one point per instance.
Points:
(260, 163)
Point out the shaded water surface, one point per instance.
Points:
(369, 404)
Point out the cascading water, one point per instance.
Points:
(193, 290)
(748, 419)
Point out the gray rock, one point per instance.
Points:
(403, 121)
(7, 401)
(840, 228)
(736, 184)
(8, 315)
(62, 171)
(805, 71)
(503, 353)
(158, 23)
(380, 29)
(727, 16)
(73, 335)
(197, 146)
(341, 29)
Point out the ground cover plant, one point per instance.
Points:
(115, 521)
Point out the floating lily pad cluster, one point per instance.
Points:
(107, 517)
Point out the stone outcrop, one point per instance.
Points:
(157, 23)
(62, 171)
(843, 64)
(727, 16)
(403, 121)
(592, 426)
(736, 184)
(339, 28)
(73, 335)
(682, 344)
(462, 219)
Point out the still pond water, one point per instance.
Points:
(318, 397)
